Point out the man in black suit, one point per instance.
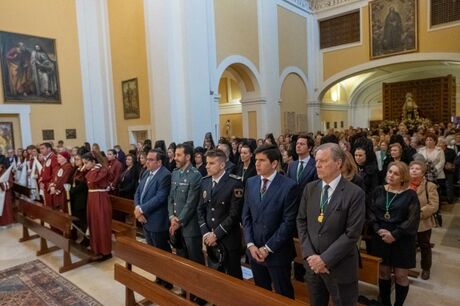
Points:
(330, 220)
(225, 146)
(219, 213)
(269, 214)
(302, 171)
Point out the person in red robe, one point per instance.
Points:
(61, 176)
(7, 216)
(99, 209)
(50, 166)
(115, 168)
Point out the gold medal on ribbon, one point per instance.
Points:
(387, 216)
(320, 218)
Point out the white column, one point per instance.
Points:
(259, 105)
(269, 69)
(315, 74)
(96, 71)
(179, 72)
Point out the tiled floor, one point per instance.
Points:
(97, 279)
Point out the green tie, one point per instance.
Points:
(299, 170)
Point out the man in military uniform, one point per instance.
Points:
(183, 202)
(219, 213)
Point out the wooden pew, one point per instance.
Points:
(368, 272)
(61, 223)
(213, 286)
(125, 206)
(22, 192)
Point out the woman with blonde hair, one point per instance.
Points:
(394, 218)
(429, 203)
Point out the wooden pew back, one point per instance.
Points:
(56, 219)
(20, 190)
(125, 206)
(213, 286)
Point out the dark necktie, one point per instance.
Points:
(264, 187)
(299, 171)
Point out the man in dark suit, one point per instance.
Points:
(151, 200)
(269, 222)
(219, 213)
(226, 148)
(330, 219)
(302, 171)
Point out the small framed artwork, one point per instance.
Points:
(6, 136)
(393, 27)
(130, 99)
(48, 134)
(71, 134)
(29, 68)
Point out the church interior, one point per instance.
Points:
(118, 72)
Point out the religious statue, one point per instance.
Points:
(410, 108)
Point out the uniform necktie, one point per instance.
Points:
(299, 170)
(214, 183)
(264, 187)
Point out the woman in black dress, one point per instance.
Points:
(394, 216)
(200, 161)
(129, 178)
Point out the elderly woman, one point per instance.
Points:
(434, 156)
(394, 217)
(429, 203)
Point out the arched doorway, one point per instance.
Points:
(293, 105)
(238, 87)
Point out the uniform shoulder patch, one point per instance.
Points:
(236, 177)
(238, 192)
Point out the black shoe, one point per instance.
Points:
(425, 274)
(85, 242)
(197, 300)
(105, 257)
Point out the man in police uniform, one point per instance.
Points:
(183, 202)
(219, 213)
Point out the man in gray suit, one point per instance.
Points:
(330, 219)
(183, 202)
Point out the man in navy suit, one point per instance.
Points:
(302, 171)
(151, 200)
(269, 214)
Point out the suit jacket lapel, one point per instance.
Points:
(313, 207)
(308, 168)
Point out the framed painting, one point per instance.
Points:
(393, 27)
(71, 133)
(48, 134)
(6, 136)
(29, 68)
(130, 99)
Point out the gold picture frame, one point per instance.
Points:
(393, 27)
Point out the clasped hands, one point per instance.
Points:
(139, 215)
(317, 264)
(210, 239)
(386, 236)
(259, 254)
(175, 225)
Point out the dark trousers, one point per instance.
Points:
(280, 276)
(231, 264)
(446, 187)
(192, 250)
(321, 286)
(423, 239)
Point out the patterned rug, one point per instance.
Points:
(36, 284)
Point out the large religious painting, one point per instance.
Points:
(29, 68)
(6, 136)
(393, 27)
(130, 99)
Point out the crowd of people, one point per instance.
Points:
(330, 190)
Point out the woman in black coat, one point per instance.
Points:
(129, 178)
(79, 194)
(246, 167)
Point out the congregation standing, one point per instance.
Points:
(328, 190)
